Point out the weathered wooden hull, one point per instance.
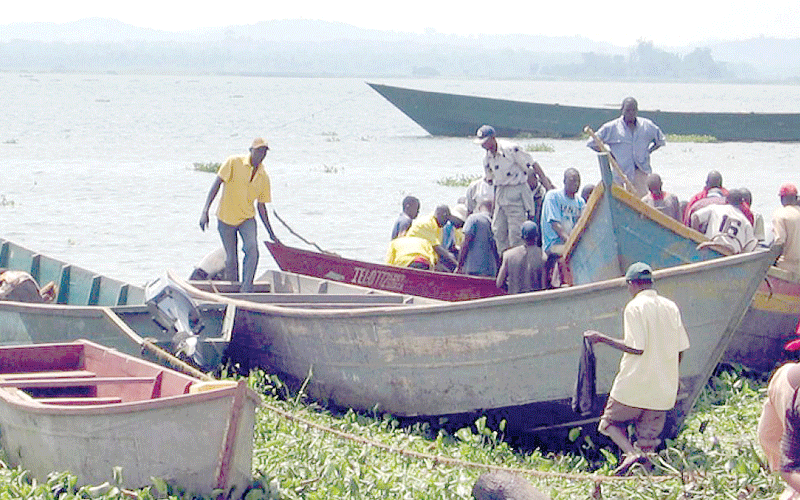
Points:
(769, 323)
(460, 116)
(198, 440)
(491, 353)
(123, 328)
(436, 285)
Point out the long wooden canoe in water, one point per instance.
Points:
(84, 408)
(457, 115)
(493, 354)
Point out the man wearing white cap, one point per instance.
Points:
(245, 181)
(507, 166)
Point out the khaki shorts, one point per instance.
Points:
(648, 423)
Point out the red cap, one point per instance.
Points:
(788, 189)
(794, 345)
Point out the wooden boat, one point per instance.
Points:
(131, 328)
(617, 229)
(84, 408)
(405, 280)
(769, 323)
(496, 354)
(76, 286)
(460, 116)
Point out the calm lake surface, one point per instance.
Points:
(98, 169)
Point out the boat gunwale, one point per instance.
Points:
(487, 302)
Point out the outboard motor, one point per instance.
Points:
(175, 311)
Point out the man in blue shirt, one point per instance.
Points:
(631, 140)
(561, 209)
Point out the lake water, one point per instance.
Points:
(98, 169)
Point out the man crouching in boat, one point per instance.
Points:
(430, 229)
(646, 385)
(411, 251)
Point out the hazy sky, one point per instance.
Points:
(622, 22)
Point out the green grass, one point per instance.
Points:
(304, 452)
(210, 167)
(459, 180)
(690, 138)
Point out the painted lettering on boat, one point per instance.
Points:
(375, 278)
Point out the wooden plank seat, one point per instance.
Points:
(47, 382)
(79, 401)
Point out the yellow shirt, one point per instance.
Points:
(427, 229)
(239, 192)
(403, 250)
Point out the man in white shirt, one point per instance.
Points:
(646, 386)
(726, 224)
(507, 166)
(786, 229)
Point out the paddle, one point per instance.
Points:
(604, 149)
(301, 238)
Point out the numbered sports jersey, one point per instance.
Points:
(727, 225)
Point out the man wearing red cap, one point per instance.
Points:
(786, 229)
(245, 182)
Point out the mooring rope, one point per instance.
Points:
(439, 459)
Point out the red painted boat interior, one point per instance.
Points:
(83, 374)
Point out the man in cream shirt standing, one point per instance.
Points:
(646, 385)
(245, 182)
(506, 165)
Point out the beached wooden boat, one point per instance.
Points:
(76, 286)
(460, 116)
(494, 354)
(769, 323)
(84, 314)
(84, 408)
(617, 229)
(405, 280)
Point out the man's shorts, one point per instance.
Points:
(649, 423)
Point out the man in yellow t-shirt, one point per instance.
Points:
(244, 181)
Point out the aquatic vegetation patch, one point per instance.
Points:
(691, 138)
(210, 167)
(459, 180)
(540, 147)
(304, 451)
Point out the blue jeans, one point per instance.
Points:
(248, 231)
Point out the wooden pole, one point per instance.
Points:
(604, 149)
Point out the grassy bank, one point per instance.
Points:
(302, 451)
